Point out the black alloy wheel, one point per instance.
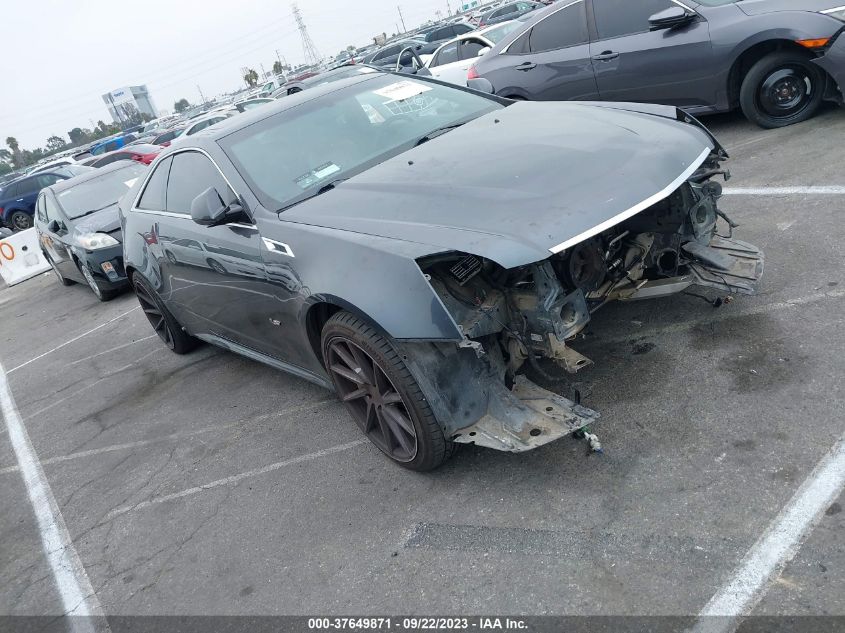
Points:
(162, 322)
(377, 406)
(20, 221)
(373, 380)
(782, 89)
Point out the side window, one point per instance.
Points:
(11, 191)
(40, 210)
(28, 186)
(111, 146)
(191, 174)
(470, 48)
(460, 29)
(567, 27)
(50, 209)
(154, 196)
(48, 179)
(615, 18)
(447, 55)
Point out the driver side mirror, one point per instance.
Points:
(670, 18)
(208, 208)
(55, 227)
(483, 51)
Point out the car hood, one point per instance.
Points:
(519, 183)
(758, 7)
(105, 221)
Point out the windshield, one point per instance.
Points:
(291, 155)
(99, 193)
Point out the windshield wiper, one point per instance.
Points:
(437, 132)
(95, 210)
(323, 189)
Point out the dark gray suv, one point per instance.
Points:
(776, 59)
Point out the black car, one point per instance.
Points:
(379, 261)
(79, 229)
(445, 32)
(510, 11)
(388, 56)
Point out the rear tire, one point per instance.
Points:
(162, 321)
(20, 221)
(782, 89)
(382, 396)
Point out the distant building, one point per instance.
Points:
(122, 101)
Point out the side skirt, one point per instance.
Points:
(267, 360)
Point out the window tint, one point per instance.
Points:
(191, 174)
(623, 17)
(447, 55)
(39, 209)
(45, 180)
(11, 191)
(470, 48)
(564, 28)
(111, 146)
(28, 186)
(154, 194)
(460, 29)
(50, 209)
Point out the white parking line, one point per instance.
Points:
(227, 481)
(77, 594)
(777, 546)
(73, 340)
(784, 191)
(173, 436)
(113, 349)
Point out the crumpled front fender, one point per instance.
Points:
(833, 63)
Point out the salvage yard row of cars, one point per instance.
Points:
(374, 259)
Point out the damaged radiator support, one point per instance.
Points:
(469, 397)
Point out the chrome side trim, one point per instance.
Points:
(166, 214)
(833, 10)
(681, 4)
(278, 247)
(645, 204)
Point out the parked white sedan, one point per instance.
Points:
(452, 60)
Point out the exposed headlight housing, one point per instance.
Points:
(96, 241)
(836, 12)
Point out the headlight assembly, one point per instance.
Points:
(96, 241)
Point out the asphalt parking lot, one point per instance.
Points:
(209, 484)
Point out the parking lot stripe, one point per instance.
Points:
(173, 436)
(114, 349)
(778, 544)
(233, 479)
(73, 340)
(77, 594)
(784, 191)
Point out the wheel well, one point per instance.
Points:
(750, 57)
(316, 318)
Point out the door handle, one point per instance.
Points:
(19, 200)
(526, 66)
(605, 56)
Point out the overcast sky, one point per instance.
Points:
(59, 57)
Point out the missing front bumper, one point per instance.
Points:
(833, 63)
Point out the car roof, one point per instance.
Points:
(70, 183)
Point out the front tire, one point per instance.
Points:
(782, 89)
(162, 321)
(103, 294)
(382, 396)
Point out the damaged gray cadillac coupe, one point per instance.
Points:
(416, 246)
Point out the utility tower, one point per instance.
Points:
(308, 49)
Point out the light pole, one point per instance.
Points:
(404, 28)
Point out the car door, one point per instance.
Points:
(226, 292)
(551, 61)
(56, 243)
(444, 61)
(633, 63)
